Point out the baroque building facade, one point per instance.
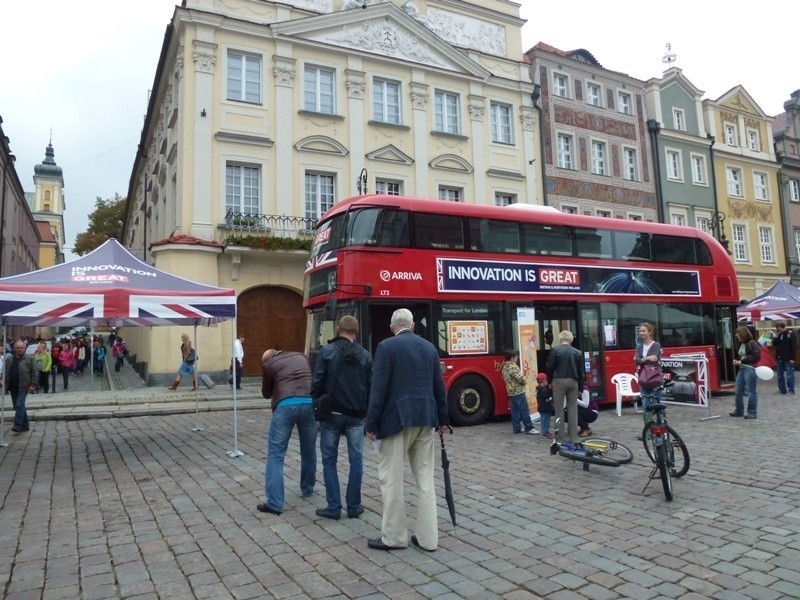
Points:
(786, 132)
(265, 114)
(47, 204)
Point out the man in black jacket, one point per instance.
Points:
(785, 347)
(343, 370)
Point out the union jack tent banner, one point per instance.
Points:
(778, 303)
(111, 287)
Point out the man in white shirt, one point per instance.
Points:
(238, 359)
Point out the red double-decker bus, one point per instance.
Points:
(481, 279)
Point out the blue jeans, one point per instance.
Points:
(330, 432)
(785, 369)
(544, 423)
(650, 396)
(20, 414)
(284, 418)
(746, 378)
(520, 413)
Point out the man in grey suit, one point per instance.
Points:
(407, 403)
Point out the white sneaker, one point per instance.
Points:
(532, 431)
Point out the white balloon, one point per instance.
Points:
(765, 373)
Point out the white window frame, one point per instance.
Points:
(761, 186)
(243, 188)
(730, 134)
(677, 218)
(753, 140)
(741, 250)
(501, 116)
(797, 241)
(317, 89)
(673, 161)
(678, 119)
(766, 244)
(625, 103)
(699, 176)
(450, 193)
(599, 157)
(319, 194)
(606, 214)
(386, 104)
(565, 149)
(635, 217)
(388, 188)
(594, 94)
(504, 199)
(630, 164)
(701, 221)
(447, 112)
(560, 85)
(569, 209)
(794, 191)
(733, 177)
(239, 77)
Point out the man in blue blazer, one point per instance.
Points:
(407, 402)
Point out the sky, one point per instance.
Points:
(83, 70)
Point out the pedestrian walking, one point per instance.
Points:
(785, 343)
(187, 367)
(20, 375)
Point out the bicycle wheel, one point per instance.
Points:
(664, 469)
(601, 454)
(679, 460)
(610, 449)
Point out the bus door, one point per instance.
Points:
(591, 337)
(380, 316)
(551, 320)
(725, 319)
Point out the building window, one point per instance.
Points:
(794, 191)
(702, 223)
(606, 214)
(730, 134)
(447, 112)
(242, 189)
(504, 199)
(674, 165)
(698, 169)
(450, 194)
(753, 141)
(560, 85)
(624, 103)
(319, 84)
(389, 188)
(244, 77)
(734, 179)
(569, 210)
(500, 115)
(797, 242)
(319, 195)
(629, 156)
(598, 158)
(739, 236)
(386, 101)
(760, 186)
(678, 119)
(593, 92)
(635, 217)
(564, 151)
(677, 219)
(766, 244)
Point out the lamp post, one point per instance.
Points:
(361, 182)
(716, 224)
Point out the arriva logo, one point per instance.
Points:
(403, 275)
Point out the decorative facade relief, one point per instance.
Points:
(381, 36)
(527, 117)
(179, 64)
(283, 71)
(204, 56)
(356, 85)
(321, 6)
(419, 96)
(477, 107)
(467, 32)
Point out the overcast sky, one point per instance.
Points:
(84, 68)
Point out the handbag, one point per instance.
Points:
(650, 376)
(192, 356)
(322, 406)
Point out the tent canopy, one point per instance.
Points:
(110, 287)
(780, 302)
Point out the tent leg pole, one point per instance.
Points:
(3, 443)
(197, 426)
(235, 453)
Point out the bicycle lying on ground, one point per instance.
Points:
(661, 442)
(594, 451)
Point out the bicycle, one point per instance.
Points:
(660, 441)
(594, 451)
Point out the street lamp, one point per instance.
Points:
(361, 182)
(716, 224)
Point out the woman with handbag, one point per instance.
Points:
(647, 356)
(188, 358)
(749, 353)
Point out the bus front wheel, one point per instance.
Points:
(470, 400)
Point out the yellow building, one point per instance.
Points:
(746, 175)
(47, 205)
(265, 114)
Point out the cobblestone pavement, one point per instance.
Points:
(145, 507)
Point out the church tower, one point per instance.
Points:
(48, 205)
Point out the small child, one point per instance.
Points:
(544, 398)
(515, 386)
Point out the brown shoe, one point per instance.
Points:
(585, 433)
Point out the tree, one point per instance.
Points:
(105, 222)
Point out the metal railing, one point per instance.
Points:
(268, 225)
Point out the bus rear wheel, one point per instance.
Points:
(470, 400)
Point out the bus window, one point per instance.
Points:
(631, 315)
(630, 245)
(673, 249)
(328, 236)
(468, 328)
(594, 243)
(546, 239)
(439, 232)
(378, 227)
(493, 236)
(686, 324)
